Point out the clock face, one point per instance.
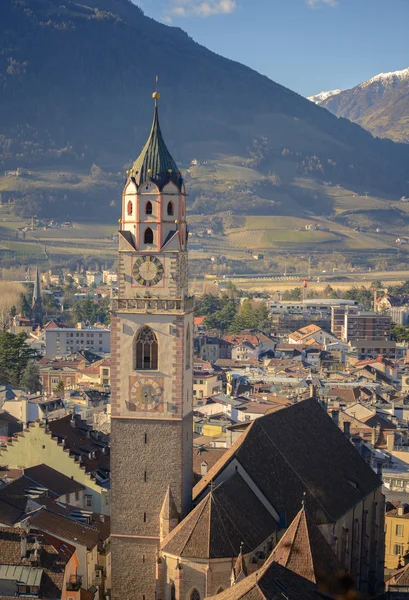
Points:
(146, 394)
(147, 270)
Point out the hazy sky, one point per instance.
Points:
(306, 45)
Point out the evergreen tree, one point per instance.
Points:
(25, 308)
(30, 379)
(246, 318)
(14, 357)
(13, 311)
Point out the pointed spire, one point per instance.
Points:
(304, 550)
(37, 313)
(169, 516)
(36, 291)
(168, 510)
(239, 569)
(155, 161)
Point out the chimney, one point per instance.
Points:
(390, 442)
(347, 429)
(203, 468)
(335, 417)
(401, 511)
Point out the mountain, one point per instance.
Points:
(76, 80)
(319, 98)
(381, 105)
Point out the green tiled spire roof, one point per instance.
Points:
(155, 161)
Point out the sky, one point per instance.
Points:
(306, 45)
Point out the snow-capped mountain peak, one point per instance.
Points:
(387, 79)
(318, 98)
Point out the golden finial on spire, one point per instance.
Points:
(156, 94)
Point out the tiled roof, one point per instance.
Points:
(230, 515)
(348, 394)
(155, 161)
(271, 582)
(304, 550)
(53, 480)
(302, 448)
(400, 578)
(53, 559)
(65, 528)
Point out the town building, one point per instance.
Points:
(66, 340)
(69, 446)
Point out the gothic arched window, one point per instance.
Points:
(130, 207)
(188, 347)
(170, 208)
(194, 594)
(148, 208)
(146, 349)
(148, 236)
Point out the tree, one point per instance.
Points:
(246, 318)
(25, 308)
(294, 294)
(30, 379)
(60, 386)
(207, 305)
(14, 357)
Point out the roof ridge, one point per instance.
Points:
(228, 455)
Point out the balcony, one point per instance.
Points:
(74, 583)
(153, 305)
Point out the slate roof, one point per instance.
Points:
(301, 448)
(271, 582)
(155, 161)
(230, 515)
(304, 550)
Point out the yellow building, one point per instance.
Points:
(396, 536)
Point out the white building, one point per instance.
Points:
(109, 277)
(61, 341)
(93, 278)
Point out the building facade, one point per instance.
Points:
(66, 340)
(151, 372)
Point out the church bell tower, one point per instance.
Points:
(151, 350)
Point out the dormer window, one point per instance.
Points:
(148, 209)
(130, 208)
(170, 208)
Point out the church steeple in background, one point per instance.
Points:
(36, 305)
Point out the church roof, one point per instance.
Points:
(271, 582)
(230, 515)
(400, 578)
(304, 550)
(301, 448)
(155, 161)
